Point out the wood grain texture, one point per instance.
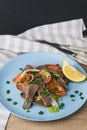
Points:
(76, 121)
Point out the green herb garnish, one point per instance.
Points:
(76, 91)
(38, 81)
(82, 98)
(57, 64)
(72, 95)
(45, 93)
(21, 69)
(40, 112)
(61, 105)
(21, 93)
(14, 103)
(28, 110)
(7, 82)
(9, 99)
(73, 100)
(8, 91)
(21, 81)
(55, 76)
(80, 94)
(56, 98)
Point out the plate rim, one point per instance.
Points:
(63, 116)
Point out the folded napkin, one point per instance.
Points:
(69, 33)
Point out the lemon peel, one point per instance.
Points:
(72, 73)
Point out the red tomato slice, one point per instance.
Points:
(52, 66)
(17, 78)
(57, 89)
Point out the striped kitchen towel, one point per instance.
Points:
(69, 33)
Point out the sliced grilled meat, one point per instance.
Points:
(45, 96)
(28, 67)
(30, 93)
(40, 102)
(62, 82)
(47, 100)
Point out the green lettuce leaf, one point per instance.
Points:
(53, 109)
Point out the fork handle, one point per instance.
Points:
(83, 49)
(82, 58)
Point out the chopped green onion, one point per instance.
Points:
(80, 94)
(57, 64)
(38, 81)
(45, 93)
(56, 76)
(61, 105)
(21, 69)
(73, 100)
(7, 82)
(9, 99)
(28, 110)
(82, 98)
(72, 95)
(21, 81)
(14, 103)
(21, 93)
(56, 98)
(8, 91)
(40, 112)
(76, 91)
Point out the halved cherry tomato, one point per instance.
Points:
(57, 89)
(23, 81)
(17, 78)
(52, 66)
(22, 86)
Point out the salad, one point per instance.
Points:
(42, 85)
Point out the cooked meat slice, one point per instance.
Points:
(28, 67)
(32, 89)
(47, 100)
(40, 102)
(62, 82)
(40, 67)
(59, 77)
(30, 93)
(45, 96)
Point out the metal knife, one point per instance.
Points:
(70, 47)
(64, 50)
(73, 54)
(75, 48)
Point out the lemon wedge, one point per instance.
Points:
(72, 73)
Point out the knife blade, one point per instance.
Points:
(64, 50)
(73, 54)
(75, 48)
(70, 47)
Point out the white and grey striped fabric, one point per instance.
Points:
(69, 33)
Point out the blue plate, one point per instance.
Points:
(11, 69)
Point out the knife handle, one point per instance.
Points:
(83, 49)
(82, 58)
